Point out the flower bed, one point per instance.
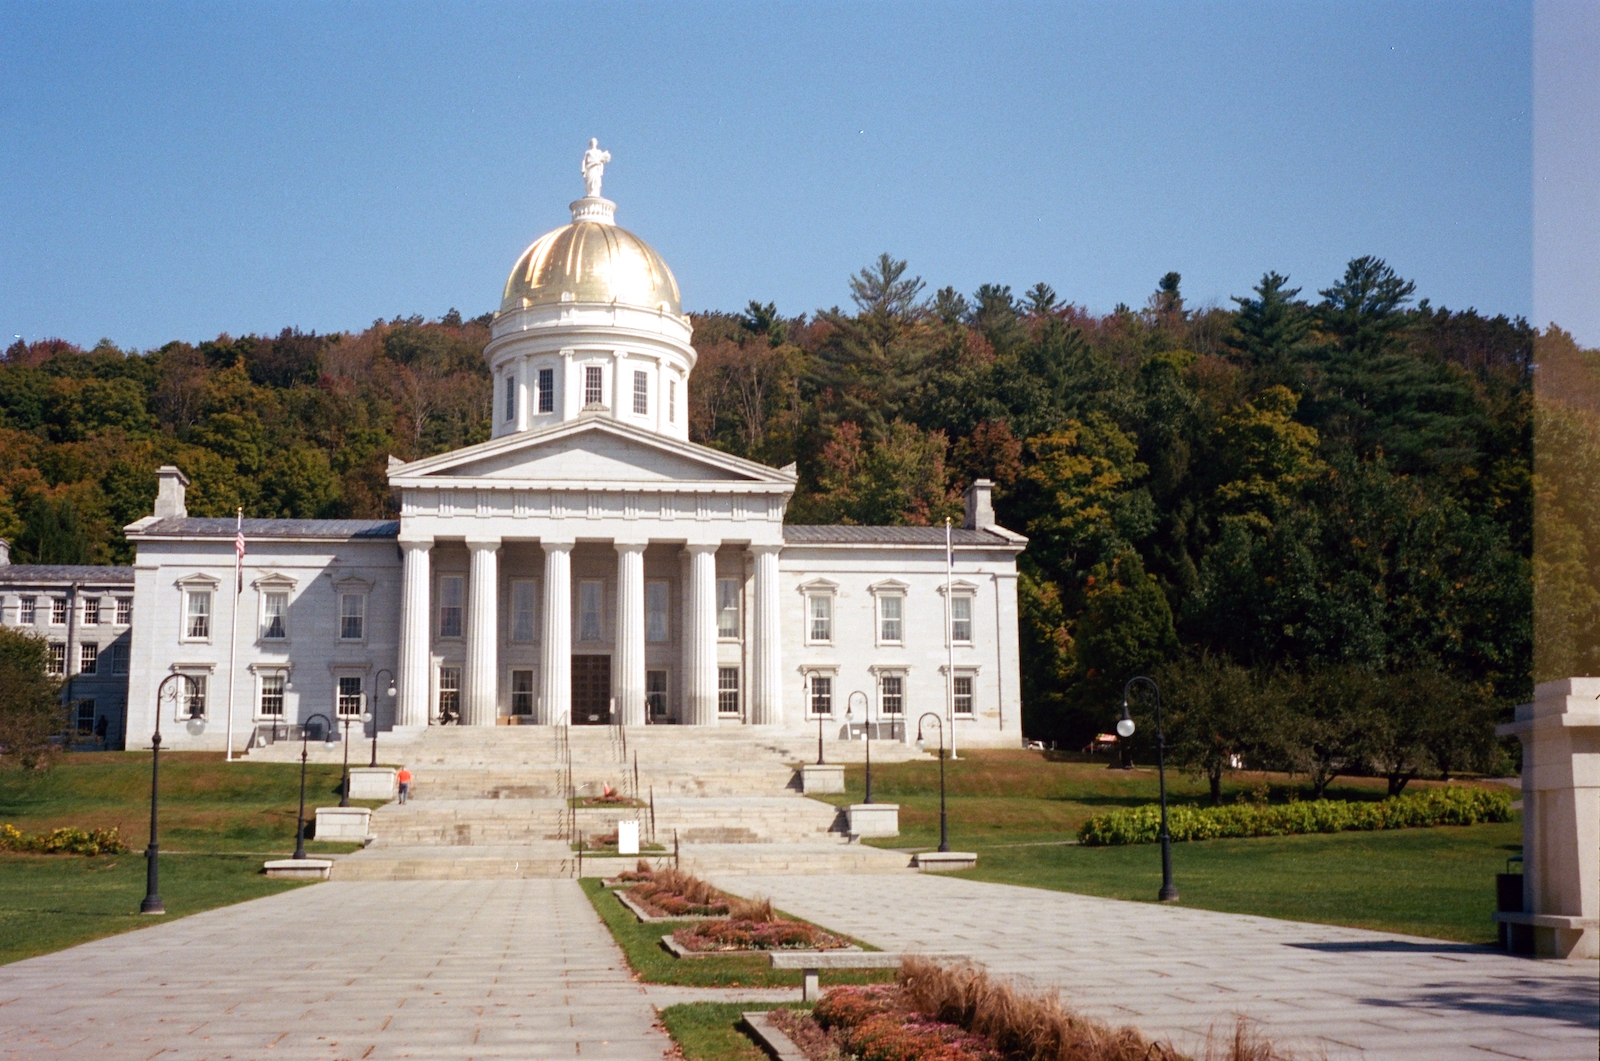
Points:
(62, 841)
(669, 893)
(960, 1014)
(1452, 805)
(741, 934)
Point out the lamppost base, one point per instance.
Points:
(152, 906)
(1167, 895)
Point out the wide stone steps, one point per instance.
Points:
(555, 860)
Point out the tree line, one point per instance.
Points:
(1297, 485)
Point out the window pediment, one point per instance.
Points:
(276, 581)
(888, 587)
(819, 585)
(198, 581)
(960, 587)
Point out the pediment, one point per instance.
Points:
(590, 452)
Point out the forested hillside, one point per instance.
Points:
(1294, 482)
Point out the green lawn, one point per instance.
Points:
(1015, 808)
(219, 821)
(641, 943)
(713, 1031)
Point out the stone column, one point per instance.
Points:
(524, 394)
(416, 620)
(702, 635)
(629, 677)
(483, 657)
(555, 647)
(766, 679)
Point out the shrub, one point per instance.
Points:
(756, 935)
(1450, 805)
(66, 841)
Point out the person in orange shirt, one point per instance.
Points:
(404, 777)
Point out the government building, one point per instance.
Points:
(588, 564)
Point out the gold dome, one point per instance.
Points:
(590, 261)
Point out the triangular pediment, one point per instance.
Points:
(593, 451)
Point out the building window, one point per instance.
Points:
(194, 705)
(91, 611)
(352, 616)
(85, 718)
(522, 605)
(274, 622)
(891, 612)
(655, 613)
(892, 699)
(728, 607)
(547, 390)
(727, 690)
(449, 693)
(57, 664)
(197, 621)
(451, 591)
(960, 619)
(124, 611)
(821, 612)
(271, 696)
(589, 610)
(641, 393)
(27, 613)
(349, 705)
(655, 692)
(593, 392)
(672, 401)
(58, 611)
(821, 695)
(522, 692)
(511, 398)
(88, 659)
(963, 694)
(119, 657)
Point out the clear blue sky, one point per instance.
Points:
(176, 171)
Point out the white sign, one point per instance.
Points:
(628, 838)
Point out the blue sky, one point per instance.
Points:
(176, 171)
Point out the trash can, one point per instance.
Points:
(1516, 939)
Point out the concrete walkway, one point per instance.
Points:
(407, 969)
(1173, 971)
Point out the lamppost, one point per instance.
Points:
(328, 742)
(866, 723)
(152, 903)
(1168, 893)
(944, 824)
(390, 694)
(344, 784)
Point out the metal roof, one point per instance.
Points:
(797, 534)
(223, 527)
(65, 573)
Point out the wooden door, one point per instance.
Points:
(591, 690)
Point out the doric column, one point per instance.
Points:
(629, 679)
(524, 394)
(702, 639)
(555, 647)
(483, 657)
(415, 622)
(766, 692)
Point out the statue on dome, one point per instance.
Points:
(594, 168)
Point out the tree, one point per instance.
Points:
(1271, 333)
(1216, 715)
(1328, 712)
(31, 714)
(52, 534)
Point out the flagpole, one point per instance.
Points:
(233, 630)
(949, 642)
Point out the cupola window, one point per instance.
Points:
(547, 390)
(593, 391)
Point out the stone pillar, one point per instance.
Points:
(524, 395)
(555, 647)
(416, 617)
(483, 657)
(702, 635)
(629, 677)
(766, 679)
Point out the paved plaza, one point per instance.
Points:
(1175, 972)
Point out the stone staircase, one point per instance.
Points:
(492, 801)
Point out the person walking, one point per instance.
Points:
(404, 777)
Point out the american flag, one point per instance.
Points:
(238, 549)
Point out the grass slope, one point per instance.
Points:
(714, 1031)
(1015, 808)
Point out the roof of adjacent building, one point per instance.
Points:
(225, 527)
(831, 534)
(40, 573)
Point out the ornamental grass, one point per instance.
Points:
(67, 841)
(764, 931)
(1451, 805)
(671, 893)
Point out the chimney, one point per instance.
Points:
(980, 505)
(169, 492)
(5, 553)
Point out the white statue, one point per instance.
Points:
(594, 168)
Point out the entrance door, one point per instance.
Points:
(591, 690)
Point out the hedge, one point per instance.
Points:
(62, 841)
(1451, 805)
